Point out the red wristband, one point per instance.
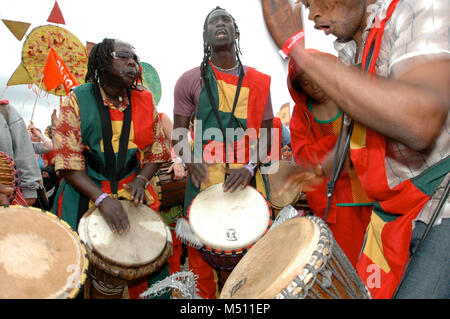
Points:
(289, 44)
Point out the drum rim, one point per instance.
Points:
(83, 252)
(114, 262)
(240, 250)
(290, 275)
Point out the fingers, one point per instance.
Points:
(236, 178)
(199, 173)
(114, 215)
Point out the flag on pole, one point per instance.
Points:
(56, 73)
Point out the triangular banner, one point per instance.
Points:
(20, 76)
(56, 15)
(17, 28)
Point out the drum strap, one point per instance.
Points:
(216, 109)
(113, 171)
(338, 163)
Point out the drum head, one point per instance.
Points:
(40, 256)
(229, 221)
(278, 173)
(141, 245)
(274, 261)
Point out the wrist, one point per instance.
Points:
(144, 179)
(290, 43)
(100, 199)
(251, 167)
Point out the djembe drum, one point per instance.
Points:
(118, 260)
(298, 259)
(228, 224)
(277, 175)
(40, 256)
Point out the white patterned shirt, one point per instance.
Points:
(417, 32)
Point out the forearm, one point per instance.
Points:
(402, 109)
(82, 183)
(149, 170)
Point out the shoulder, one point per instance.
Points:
(190, 74)
(256, 72)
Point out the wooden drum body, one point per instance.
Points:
(170, 191)
(40, 256)
(298, 259)
(119, 259)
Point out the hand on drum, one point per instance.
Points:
(236, 177)
(5, 191)
(283, 19)
(198, 173)
(137, 191)
(114, 214)
(304, 179)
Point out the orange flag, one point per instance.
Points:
(56, 73)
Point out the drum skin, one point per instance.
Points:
(40, 256)
(140, 252)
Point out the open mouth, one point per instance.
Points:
(323, 27)
(221, 33)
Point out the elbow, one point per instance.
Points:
(425, 135)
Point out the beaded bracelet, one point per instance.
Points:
(100, 199)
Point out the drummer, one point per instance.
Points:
(220, 69)
(315, 124)
(103, 124)
(400, 136)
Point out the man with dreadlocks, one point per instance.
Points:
(223, 94)
(105, 119)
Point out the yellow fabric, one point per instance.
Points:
(358, 139)
(226, 99)
(116, 131)
(374, 245)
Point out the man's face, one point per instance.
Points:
(124, 65)
(220, 29)
(342, 18)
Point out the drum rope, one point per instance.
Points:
(105, 288)
(185, 282)
(326, 261)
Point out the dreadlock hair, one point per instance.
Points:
(207, 46)
(100, 58)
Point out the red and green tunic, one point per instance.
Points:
(79, 129)
(249, 115)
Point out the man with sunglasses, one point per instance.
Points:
(108, 143)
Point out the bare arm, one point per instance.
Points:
(111, 209)
(410, 108)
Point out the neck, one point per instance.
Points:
(224, 59)
(113, 92)
(358, 36)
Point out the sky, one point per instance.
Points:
(165, 33)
